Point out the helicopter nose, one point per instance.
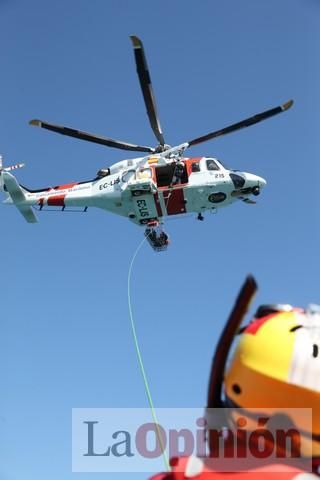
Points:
(254, 183)
(260, 181)
(254, 180)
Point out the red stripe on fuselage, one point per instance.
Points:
(66, 186)
(56, 201)
(174, 201)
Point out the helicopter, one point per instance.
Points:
(148, 189)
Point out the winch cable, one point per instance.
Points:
(140, 360)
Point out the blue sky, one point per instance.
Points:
(65, 336)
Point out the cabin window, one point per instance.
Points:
(144, 174)
(195, 167)
(212, 165)
(129, 175)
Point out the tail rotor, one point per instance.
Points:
(7, 169)
(12, 167)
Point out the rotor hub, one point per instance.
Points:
(162, 148)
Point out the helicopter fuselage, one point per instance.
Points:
(149, 188)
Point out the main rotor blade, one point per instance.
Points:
(244, 123)
(146, 87)
(108, 142)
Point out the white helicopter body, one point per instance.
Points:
(142, 190)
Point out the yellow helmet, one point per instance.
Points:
(275, 366)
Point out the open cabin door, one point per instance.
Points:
(172, 187)
(165, 175)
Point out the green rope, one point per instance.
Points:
(143, 372)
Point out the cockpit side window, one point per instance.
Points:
(212, 165)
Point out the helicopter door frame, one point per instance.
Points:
(193, 165)
(164, 181)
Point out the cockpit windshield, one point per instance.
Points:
(223, 165)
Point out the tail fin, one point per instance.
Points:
(16, 193)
